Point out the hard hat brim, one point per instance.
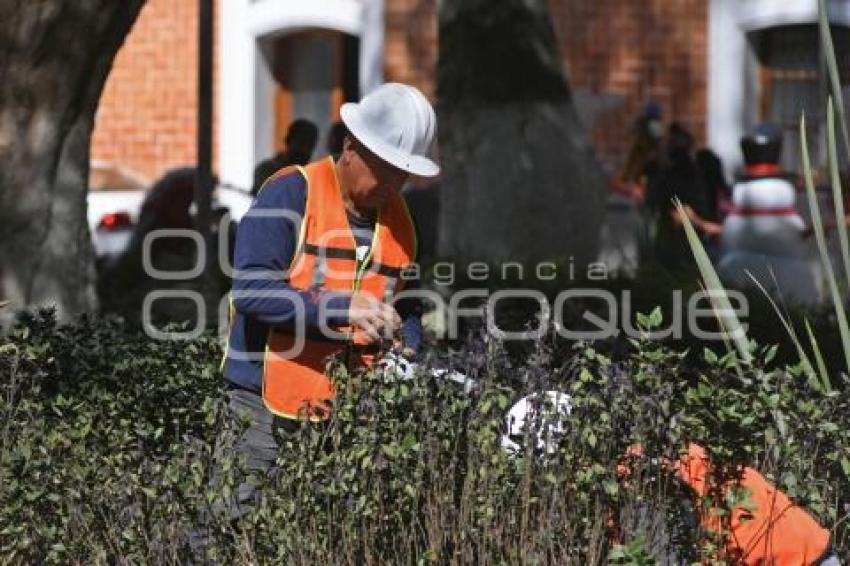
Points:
(413, 164)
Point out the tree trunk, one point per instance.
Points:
(520, 180)
(54, 59)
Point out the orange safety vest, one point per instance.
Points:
(775, 531)
(294, 383)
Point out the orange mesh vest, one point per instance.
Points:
(294, 381)
(775, 532)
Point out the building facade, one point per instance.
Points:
(716, 66)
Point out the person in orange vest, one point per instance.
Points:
(766, 527)
(318, 260)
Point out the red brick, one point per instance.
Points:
(151, 92)
(635, 51)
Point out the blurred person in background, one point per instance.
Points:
(679, 178)
(299, 143)
(718, 193)
(124, 282)
(717, 196)
(643, 161)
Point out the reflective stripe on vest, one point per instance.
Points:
(294, 380)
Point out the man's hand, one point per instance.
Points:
(376, 319)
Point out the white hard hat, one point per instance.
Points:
(552, 407)
(396, 123)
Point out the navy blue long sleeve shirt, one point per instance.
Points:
(263, 299)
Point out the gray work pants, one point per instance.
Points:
(247, 445)
(254, 445)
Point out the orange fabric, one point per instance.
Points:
(294, 383)
(775, 532)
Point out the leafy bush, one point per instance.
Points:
(108, 441)
(103, 442)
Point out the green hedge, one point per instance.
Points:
(103, 441)
(107, 448)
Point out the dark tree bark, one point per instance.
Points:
(520, 180)
(54, 59)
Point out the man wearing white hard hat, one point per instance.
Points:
(306, 291)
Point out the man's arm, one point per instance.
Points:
(265, 244)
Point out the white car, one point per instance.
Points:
(115, 201)
(235, 199)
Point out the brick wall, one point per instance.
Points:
(147, 116)
(619, 54)
(410, 53)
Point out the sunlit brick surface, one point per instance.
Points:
(147, 115)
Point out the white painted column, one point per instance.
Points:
(372, 46)
(238, 62)
(246, 86)
(263, 118)
(727, 55)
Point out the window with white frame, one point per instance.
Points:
(792, 78)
